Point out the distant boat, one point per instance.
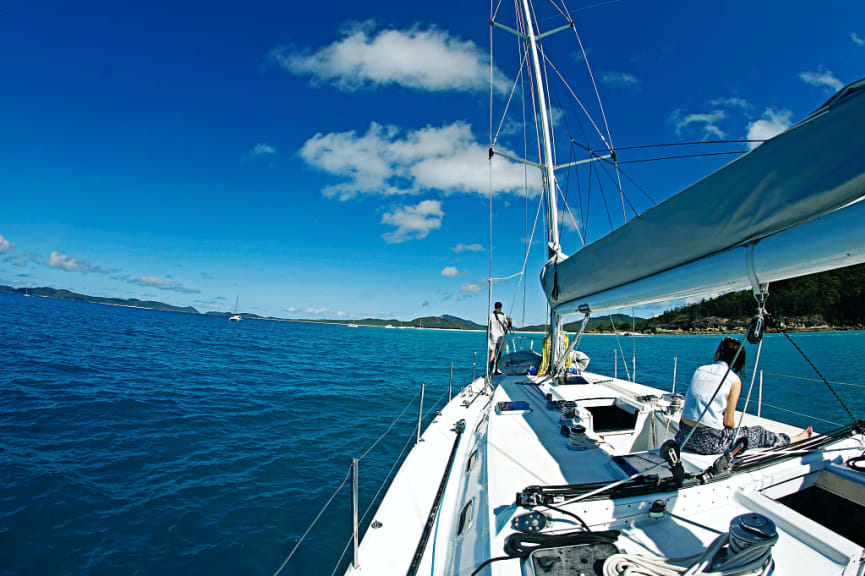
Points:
(389, 326)
(235, 317)
(27, 292)
(352, 325)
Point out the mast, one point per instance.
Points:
(553, 246)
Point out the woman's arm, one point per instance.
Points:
(732, 399)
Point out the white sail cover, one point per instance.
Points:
(811, 169)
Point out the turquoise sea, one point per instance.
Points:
(144, 442)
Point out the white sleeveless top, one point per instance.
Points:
(703, 385)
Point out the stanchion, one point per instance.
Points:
(420, 412)
(354, 485)
(760, 400)
(675, 367)
(451, 383)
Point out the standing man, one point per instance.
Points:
(499, 324)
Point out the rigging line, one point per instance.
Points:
(302, 538)
(625, 198)
(556, 6)
(581, 9)
(508, 103)
(750, 389)
(389, 428)
(571, 214)
(546, 84)
(800, 414)
(616, 332)
(826, 382)
(603, 196)
(580, 102)
(588, 200)
(567, 187)
(496, 12)
(632, 181)
(683, 156)
(609, 139)
(529, 240)
(490, 247)
(503, 278)
(525, 188)
(381, 487)
(617, 165)
(641, 146)
(814, 379)
(531, 77)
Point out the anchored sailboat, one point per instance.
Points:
(578, 474)
(235, 317)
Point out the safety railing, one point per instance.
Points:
(353, 475)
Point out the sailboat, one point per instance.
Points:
(235, 317)
(578, 474)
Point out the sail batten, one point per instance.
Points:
(813, 169)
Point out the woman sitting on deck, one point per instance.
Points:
(714, 433)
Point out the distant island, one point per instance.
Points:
(833, 300)
(126, 302)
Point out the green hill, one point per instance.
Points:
(829, 300)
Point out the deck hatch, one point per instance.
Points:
(473, 457)
(465, 517)
(844, 517)
(611, 418)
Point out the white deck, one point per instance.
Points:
(519, 450)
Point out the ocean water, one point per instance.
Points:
(145, 442)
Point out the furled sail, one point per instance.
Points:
(812, 169)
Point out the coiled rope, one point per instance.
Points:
(742, 559)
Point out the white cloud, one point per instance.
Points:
(858, 40)
(261, 150)
(291, 309)
(620, 79)
(770, 125)
(450, 271)
(317, 311)
(5, 245)
(162, 284)
(341, 313)
(468, 248)
(413, 222)
(471, 287)
(822, 79)
(707, 122)
(567, 220)
(66, 262)
(384, 161)
(422, 59)
(733, 102)
(63, 261)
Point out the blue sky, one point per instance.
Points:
(328, 160)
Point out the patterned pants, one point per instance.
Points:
(713, 441)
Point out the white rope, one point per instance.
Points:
(813, 379)
(571, 214)
(801, 414)
(750, 388)
(381, 487)
(302, 538)
(508, 103)
(530, 240)
(616, 332)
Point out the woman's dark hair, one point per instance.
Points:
(727, 351)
